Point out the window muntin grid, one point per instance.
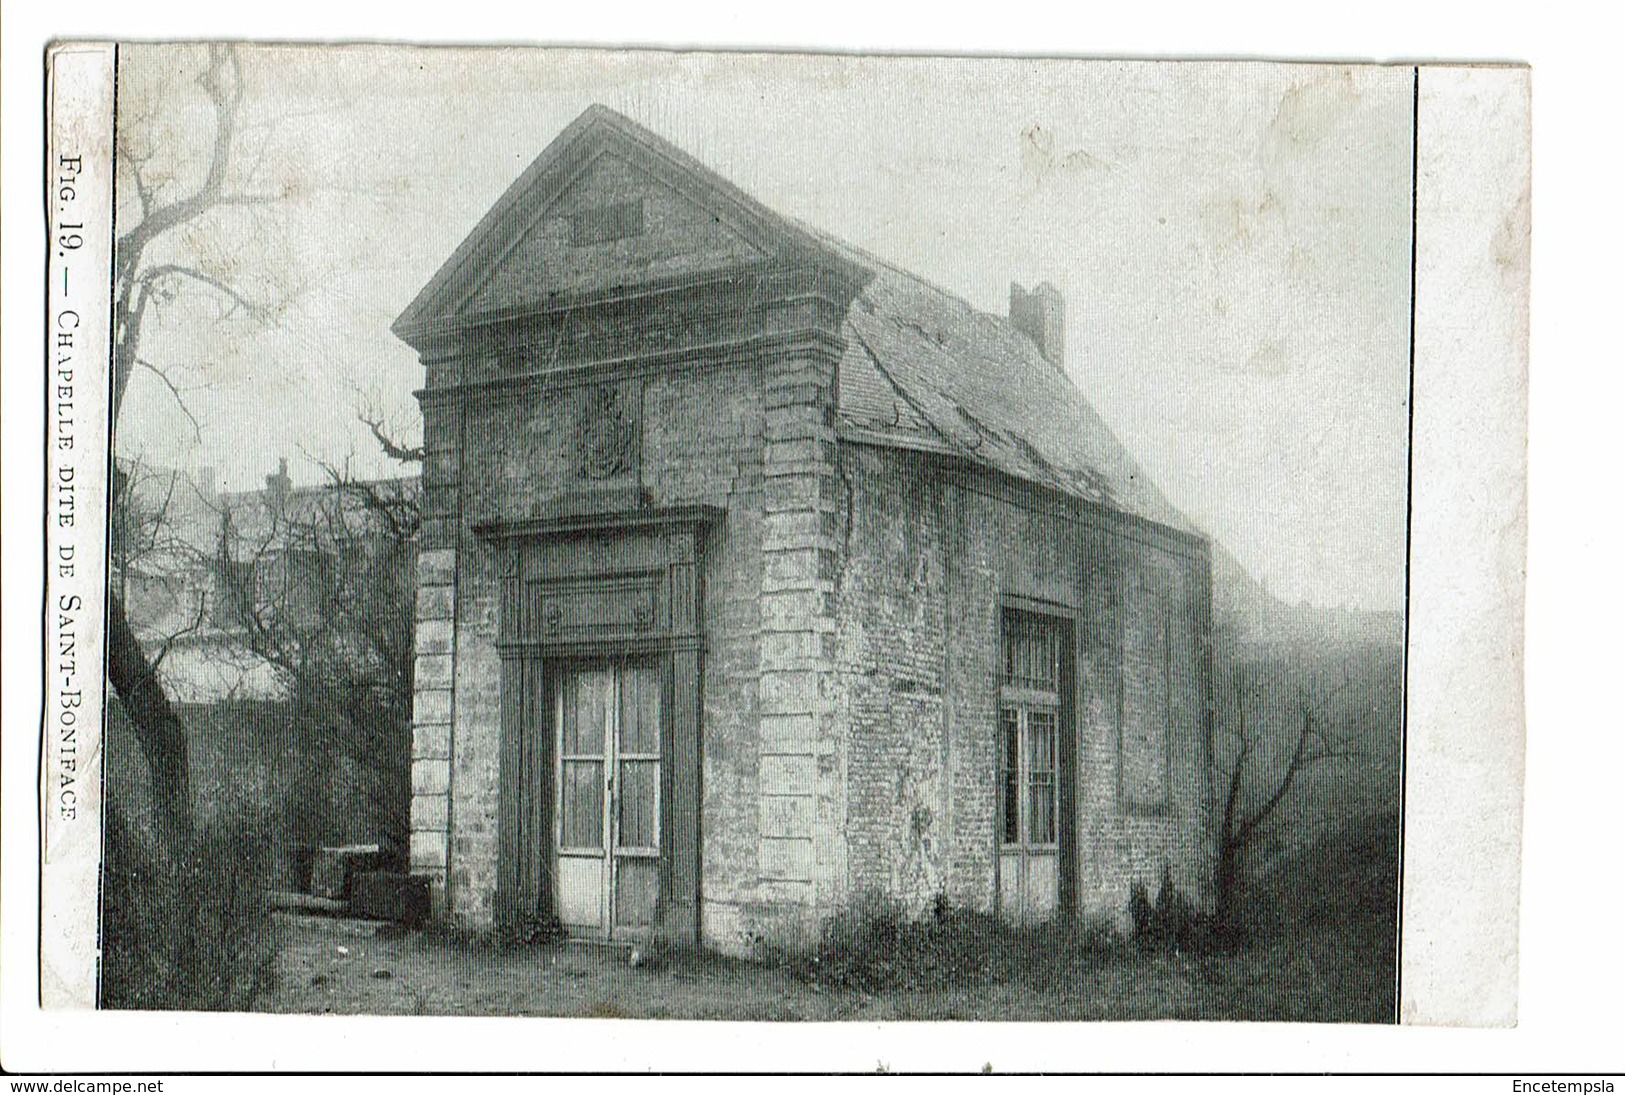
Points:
(1032, 652)
(1027, 776)
(1029, 727)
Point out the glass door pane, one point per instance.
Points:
(1041, 777)
(639, 731)
(639, 793)
(1010, 778)
(637, 796)
(637, 751)
(581, 761)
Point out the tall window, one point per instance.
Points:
(1029, 703)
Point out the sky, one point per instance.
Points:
(1232, 240)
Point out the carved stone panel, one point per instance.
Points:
(605, 429)
(606, 433)
(578, 610)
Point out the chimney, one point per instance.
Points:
(277, 486)
(1041, 316)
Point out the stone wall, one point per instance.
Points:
(929, 557)
(852, 601)
(701, 444)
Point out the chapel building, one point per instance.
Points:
(758, 576)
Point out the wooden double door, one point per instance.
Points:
(608, 725)
(602, 646)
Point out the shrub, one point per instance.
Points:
(189, 931)
(874, 946)
(532, 930)
(1172, 921)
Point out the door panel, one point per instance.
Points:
(637, 885)
(1010, 874)
(581, 891)
(1041, 886)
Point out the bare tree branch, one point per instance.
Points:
(170, 270)
(169, 640)
(223, 84)
(1317, 737)
(197, 432)
(394, 449)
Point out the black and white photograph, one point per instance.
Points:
(587, 543)
(625, 534)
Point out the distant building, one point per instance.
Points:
(757, 575)
(196, 565)
(279, 623)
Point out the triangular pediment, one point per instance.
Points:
(608, 206)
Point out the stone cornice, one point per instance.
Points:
(752, 348)
(643, 519)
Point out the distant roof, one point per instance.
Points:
(923, 369)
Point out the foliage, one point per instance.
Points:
(531, 931)
(320, 584)
(875, 946)
(1172, 921)
(1317, 936)
(1343, 882)
(189, 931)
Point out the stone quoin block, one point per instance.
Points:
(430, 812)
(431, 777)
(431, 706)
(427, 850)
(435, 602)
(431, 741)
(437, 567)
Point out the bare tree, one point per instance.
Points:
(320, 585)
(158, 264)
(1257, 779)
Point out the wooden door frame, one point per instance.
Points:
(1066, 729)
(604, 586)
(611, 850)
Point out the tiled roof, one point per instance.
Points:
(924, 369)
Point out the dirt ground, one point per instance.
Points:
(349, 967)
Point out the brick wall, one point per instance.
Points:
(892, 665)
(928, 556)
